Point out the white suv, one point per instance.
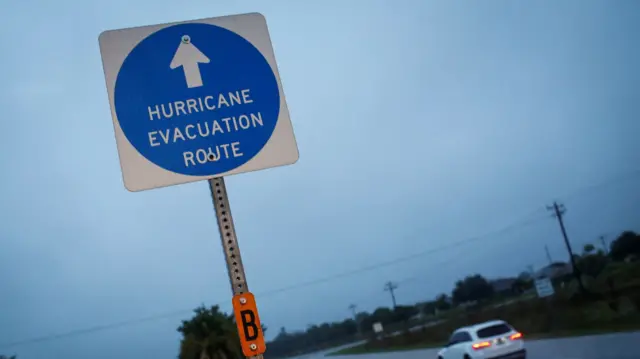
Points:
(495, 339)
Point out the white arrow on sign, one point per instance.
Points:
(188, 56)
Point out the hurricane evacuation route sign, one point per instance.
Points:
(196, 100)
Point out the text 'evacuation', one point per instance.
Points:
(181, 133)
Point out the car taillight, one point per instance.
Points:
(516, 336)
(481, 345)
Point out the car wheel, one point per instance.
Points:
(466, 356)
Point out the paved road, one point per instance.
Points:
(609, 346)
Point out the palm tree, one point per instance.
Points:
(210, 334)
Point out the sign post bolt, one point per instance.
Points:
(243, 301)
(253, 347)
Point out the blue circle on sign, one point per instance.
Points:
(197, 99)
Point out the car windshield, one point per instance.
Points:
(493, 330)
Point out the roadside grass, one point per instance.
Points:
(585, 332)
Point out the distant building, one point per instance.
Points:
(554, 271)
(502, 285)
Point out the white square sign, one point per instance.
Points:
(196, 100)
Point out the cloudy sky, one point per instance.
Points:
(420, 124)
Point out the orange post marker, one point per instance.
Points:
(248, 322)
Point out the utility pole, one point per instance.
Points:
(390, 287)
(531, 270)
(546, 249)
(605, 245)
(559, 211)
(352, 307)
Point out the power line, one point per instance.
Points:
(283, 289)
(404, 258)
(440, 265)
(316, 281)
(96, 328)
(605, 183)
(445, 262)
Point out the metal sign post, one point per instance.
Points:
(246, 313)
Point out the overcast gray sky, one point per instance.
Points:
(419, 123)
